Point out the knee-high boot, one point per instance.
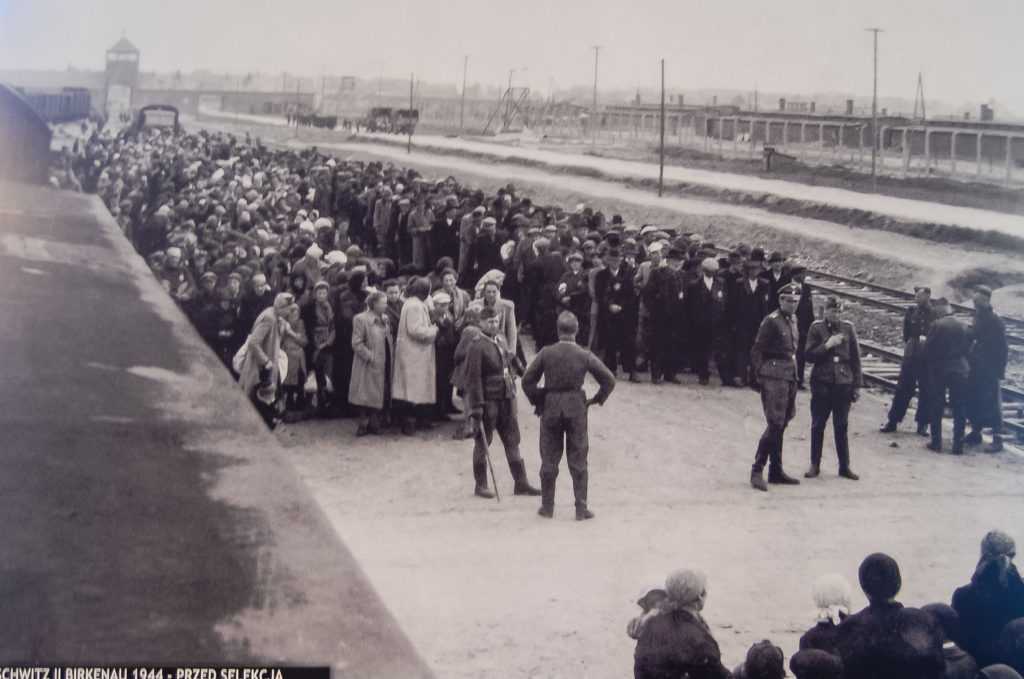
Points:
(817, 444)
(522, 486)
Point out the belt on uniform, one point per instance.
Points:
(561, 390)
(784, 357)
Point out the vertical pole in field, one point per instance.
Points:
(661, 161)
(874, 114)
(298, 84)
(408, 146)
(462, 108)
(593, 111)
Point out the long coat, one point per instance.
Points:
(414, 373)
(263, 345)
(371, 343)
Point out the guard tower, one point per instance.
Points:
(122, 78)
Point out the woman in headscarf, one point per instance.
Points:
(991, 607)
(258, 361)
(831, 593)
(370, 388)
(678, 643)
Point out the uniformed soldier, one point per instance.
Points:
(916, 324)
(835, 384)
(945, 354)
(987, 361)
(563, 410)
(773, 359)
(491, 398)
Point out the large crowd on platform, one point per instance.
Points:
(343, 288)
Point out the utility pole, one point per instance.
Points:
(593, 111)
(298, 84)
(661, 154)
(408, 146)
(462, 109)
(874, 114)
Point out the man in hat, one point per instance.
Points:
(751, 303)
(469, 227)
(835, 384)
(705, 312)
(917, 322)
(773, 360)
(662, 296)
(490, 390)
(485, 253)
(574, 295)
(563, 411)
(616, 317)
(444, 236)
(945, 357)
(776, 275)
(987, 361)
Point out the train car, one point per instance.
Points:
(379, 119)
(157, 116)
(71, 103)
(405, 120)
(24, 138)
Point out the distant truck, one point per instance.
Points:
(157, 116)
(385, 119)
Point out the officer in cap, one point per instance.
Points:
(835, 384)
(563, 411)
(773, 359)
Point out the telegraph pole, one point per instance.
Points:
(408, 147)
(462, 109)
(661, 154)
(593, 112)
(874, 114)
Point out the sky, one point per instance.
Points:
(968, 52)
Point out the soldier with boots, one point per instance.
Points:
(773, 360)
(835, 384)
(987, 362)
(916, 324)
(491, 398)
(562, 406)
(945, 354)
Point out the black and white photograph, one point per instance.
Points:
(664, 339)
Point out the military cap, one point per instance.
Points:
(790, 289)
(832, 302)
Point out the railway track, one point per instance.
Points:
(881, 367)
(897, 300)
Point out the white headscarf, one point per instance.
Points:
(831, 593)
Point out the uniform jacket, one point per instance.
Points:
(945, 350)
(371, 342)
(774, 353)
(988, 353)
(838, 365)
(564, 365)
(916, 324)
(413, 378)
(488, 372)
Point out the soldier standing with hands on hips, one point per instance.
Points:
(835, 384)
(773, 360)
(563, 411)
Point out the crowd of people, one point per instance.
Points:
(981, 634)
(372, 275)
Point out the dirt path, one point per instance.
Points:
(492, 590)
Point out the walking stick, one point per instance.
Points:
(487, 456)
